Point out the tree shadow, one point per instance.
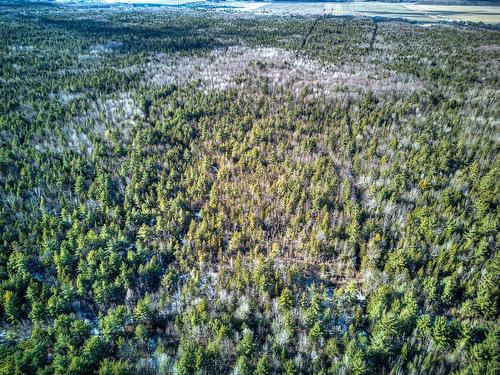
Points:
(138, 38)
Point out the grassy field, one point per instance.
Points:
(422, 13)
(486, 14)
(416, 12)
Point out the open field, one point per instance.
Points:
(415, 12)
(486, 14)
(425, 13)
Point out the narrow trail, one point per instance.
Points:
(311, 30)
(374, 35)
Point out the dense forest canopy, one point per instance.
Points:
(198, 193)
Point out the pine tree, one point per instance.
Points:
(440, 331)
(262, 366)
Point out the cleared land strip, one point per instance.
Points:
(311, 30)
(374, 35)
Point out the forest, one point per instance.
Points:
(187, 192)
